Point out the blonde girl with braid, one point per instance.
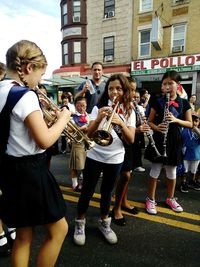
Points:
(30, 193)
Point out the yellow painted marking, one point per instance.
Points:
(145, 216)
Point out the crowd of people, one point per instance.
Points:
(165, 131)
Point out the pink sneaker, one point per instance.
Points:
(174, 204)
(151, 206)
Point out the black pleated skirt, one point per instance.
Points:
(30, 193)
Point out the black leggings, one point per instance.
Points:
(91, 175)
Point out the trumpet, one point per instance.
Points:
(103, 136)
(72, 130)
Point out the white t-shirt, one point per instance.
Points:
(114, 153)
(20, 142)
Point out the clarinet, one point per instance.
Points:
(166, 112)
(149, 135)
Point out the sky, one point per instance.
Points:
(33, 20)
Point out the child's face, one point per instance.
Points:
(133, 89)
(196, 122)
(81, 106)
(169, 85)
(115, 90)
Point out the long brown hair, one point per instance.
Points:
(126, 89)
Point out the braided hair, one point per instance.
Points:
(22, 53)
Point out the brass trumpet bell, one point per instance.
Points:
(103, 136)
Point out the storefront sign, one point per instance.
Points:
(161, 65)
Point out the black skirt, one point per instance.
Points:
(30, 193)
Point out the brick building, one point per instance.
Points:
(143, 38)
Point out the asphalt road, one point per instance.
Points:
(167, 239)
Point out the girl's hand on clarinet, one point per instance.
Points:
(144, 128)
(162, 127)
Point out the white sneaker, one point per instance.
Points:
(109, 234)
(174, 204)
(79, 232)
(151, 206)
(139, 169)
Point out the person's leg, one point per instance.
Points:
(49, 251)
(152, 184)
(111, 172)
(91, 175)
(21, 247)
(120, 191)
(193, 183)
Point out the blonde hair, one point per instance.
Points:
(22, 53)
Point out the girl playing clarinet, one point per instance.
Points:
(166, 122)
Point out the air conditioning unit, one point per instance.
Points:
(108, 58)
(111, 14)
(176, 49)
(76, 18)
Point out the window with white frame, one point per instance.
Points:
(178, 38)
(144, 43)
(77, 52)
(76, 10)
(65, 54)
(64, 14)
(146, 5)
(109, 8)
(108, 44)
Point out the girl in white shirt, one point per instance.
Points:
(30, 193)
(106, 159)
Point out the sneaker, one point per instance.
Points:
(194, 185)
(184, 187)
(151, 206)
(139, 169)
(174, 204)
(77, 188)
(108, 233)
(79, 232)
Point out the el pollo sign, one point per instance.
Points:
(161, 65)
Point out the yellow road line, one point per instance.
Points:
(185, 215)
(142, 215)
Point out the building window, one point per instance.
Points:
(109, 8)
(64, 14)
(144, 43)
(108, 49)
(146, 5)
(76, 10)
(77, 52)
(65, 54)
(178, 38)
